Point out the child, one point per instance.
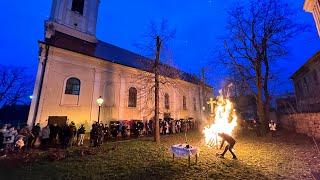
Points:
(273, 128)
(81, 133)
(20, 143)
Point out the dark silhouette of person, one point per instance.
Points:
(231, 142)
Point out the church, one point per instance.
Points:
(75, 69)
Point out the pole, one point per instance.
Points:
(99, 115)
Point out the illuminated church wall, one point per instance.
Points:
(112, 82)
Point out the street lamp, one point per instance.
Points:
(99, 102)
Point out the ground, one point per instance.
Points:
(288, 156)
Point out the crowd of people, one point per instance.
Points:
(140, 128)
(51, 135)
(66, 135)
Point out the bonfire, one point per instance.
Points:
(225, 121)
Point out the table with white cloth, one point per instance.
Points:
(182, 150)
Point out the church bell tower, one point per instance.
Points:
(77, 18)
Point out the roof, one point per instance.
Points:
(114, 54)
(305, 66)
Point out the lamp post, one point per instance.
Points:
(99, 102)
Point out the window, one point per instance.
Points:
(184, 103)
(194, 104)
(132, 97)
(77, 6)
(166, 101)
(73, 86)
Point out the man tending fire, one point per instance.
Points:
(231, 142)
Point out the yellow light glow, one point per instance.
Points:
(225, 120)
(100, 101)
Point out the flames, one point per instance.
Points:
(225, 120)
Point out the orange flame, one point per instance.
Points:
(225, 120)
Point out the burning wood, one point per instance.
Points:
(225, 120)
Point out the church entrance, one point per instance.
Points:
(60, 120)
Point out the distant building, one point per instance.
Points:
(246, 105)
(307, 84)
(286, 104)
(313, 6)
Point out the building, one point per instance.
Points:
(313, 6)
(286, 104)
(307, 84)
(75, 69)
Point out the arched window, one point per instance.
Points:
(132, 97)
(166, 101)
(77, 6)
(194, 104)
(184, 103)
(72, 86)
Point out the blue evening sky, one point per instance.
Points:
(199, 24)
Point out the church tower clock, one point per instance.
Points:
(77, 18)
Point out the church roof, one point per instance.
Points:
(114, 54)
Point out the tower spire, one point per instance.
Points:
(77, 18)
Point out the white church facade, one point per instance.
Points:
(75, 69)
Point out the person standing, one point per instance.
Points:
(72, 133)
(54, 131)
(36, 132)
(2, 133)
(106, 132)
(81, 134)
(27, 137)
(273, 128)
(231, 142)
(45, 136)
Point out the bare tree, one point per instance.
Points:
(258, 33)
(156, 75)
(14, 85)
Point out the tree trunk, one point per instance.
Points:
(266, 92)
(156, 92)
(259, 98)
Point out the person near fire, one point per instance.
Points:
(231, 142)
(273, 128)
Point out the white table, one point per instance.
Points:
(180, 150)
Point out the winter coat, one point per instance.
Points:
(273, 126)
(45, 133)
(9, 136)
(36, 130)
(81, 130)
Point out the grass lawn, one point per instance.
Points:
(288, 156)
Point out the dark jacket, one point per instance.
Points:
(36, 130)
(228, 138)
(81, 130)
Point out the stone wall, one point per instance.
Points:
(305, 123)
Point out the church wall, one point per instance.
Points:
(55, 102)
(112, 82)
